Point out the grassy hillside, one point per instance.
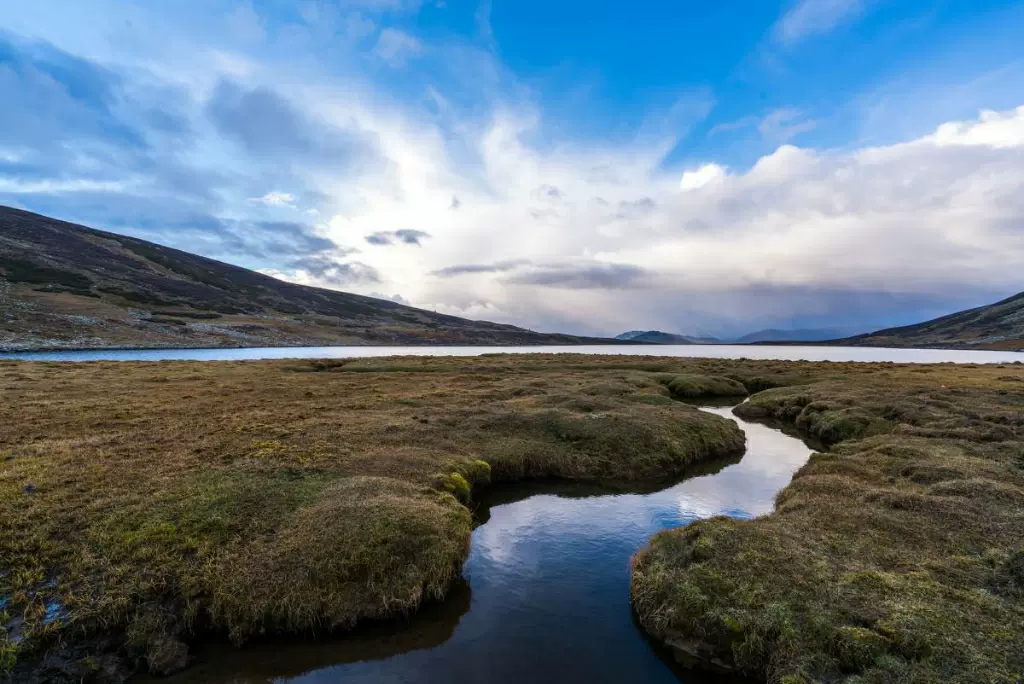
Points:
(64, 285)
(997, 326)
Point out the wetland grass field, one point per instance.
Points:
(148, 506)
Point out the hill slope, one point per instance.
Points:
(996, 326)
(68, 286)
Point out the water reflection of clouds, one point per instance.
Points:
(550, 577)
(513, 538)
(748, 488)
(515, 531)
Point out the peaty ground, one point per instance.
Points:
(143, 505)
(897, 556)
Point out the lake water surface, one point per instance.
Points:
(714, 351)
(546, 590)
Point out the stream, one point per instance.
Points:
(545, 595)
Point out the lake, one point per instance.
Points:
(716, 351)
(545, 596)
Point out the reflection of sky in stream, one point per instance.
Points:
(549, 584)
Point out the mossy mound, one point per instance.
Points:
(632, 442)
(158, 502)
(691, 386)
(368, 547)
(891, 558)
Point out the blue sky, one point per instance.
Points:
(590, 167)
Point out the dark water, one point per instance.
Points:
(546, 591)
(713, 351)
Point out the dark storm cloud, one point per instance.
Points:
(270, 127)
(463, 269)
(51, 96)
(76, 119)
(411, 237)
(404, 236)
(583, 276)
(79, 124)
(188, 226)
(379, 238)
(333, 272)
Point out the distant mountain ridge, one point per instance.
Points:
(996, 326)
(799, 335)
(659, 337)
(68, 286)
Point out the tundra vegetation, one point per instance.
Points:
(146, 505)
(896, 556)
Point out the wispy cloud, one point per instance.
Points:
(782, 125)
(469, 269)
(275, 199)
(404, 236)
(732, 126)
(809, 18)
(396, 47)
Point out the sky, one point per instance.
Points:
(694, 167)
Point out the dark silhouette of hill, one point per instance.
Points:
(66, 285)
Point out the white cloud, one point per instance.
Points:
(730, 126)
(45, 187)
(925, 218)
(782, 125)
(397, 47)
(809, 18)
(993, 129)
(615, 240)
(698, 178)
(275, 199)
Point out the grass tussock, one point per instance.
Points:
(143, 504)
(896, 556)
(692, 386)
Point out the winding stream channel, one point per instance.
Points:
(546, 590)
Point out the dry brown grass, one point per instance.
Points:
(142, 504)
(897, 556)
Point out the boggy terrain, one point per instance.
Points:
(897, 556)
(144, 506)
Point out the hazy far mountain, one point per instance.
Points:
(799, 335)
(659, 337)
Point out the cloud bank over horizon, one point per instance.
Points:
(357, 146)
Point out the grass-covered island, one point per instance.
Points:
(144, 506)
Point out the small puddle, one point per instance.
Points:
(546, 590)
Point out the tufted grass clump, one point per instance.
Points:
(893, 557)
(147, 505)
(693, 386)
